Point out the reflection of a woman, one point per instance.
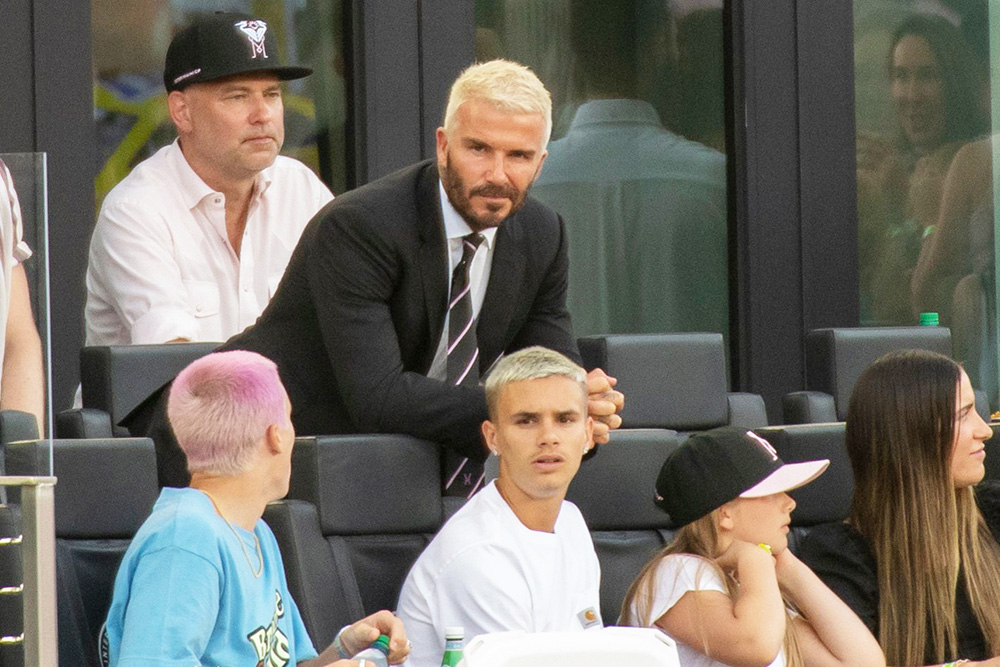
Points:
(955, 274)
(936, 95)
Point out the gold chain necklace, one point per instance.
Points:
(243, 546)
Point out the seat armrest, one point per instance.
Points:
(746, 410)
(809, 407)
(84, 423)
(16, 425)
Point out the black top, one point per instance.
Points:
(842, 558)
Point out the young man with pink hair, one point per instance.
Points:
(203, 582)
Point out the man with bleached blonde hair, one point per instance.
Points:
(517, 556)
(402, 293)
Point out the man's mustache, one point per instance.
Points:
(493, 190)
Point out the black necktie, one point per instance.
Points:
(461, 476)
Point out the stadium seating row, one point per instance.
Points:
(360, 510)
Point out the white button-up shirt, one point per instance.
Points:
(162, 267)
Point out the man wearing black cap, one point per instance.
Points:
(192, 244)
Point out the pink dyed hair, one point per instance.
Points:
(220, 407)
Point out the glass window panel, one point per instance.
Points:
(925, 180)
(30, 178)
(130, 40)
(636, 164)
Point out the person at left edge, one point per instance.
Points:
(202, 582)
(192, 244)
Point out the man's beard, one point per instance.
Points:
(454, 187)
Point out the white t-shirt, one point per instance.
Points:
(675, 575)
(488, 572)
(162, 267)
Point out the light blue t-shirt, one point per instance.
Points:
(186, 595)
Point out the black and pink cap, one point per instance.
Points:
(717, 466)
(223, 44)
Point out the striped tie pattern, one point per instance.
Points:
(462, 477)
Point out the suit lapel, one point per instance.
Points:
(432, 257)
(506, 277)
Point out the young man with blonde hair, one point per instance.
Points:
(402, 293)
(517, 556)
(202, 582)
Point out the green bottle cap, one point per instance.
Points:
(382, 644)
(929, 320)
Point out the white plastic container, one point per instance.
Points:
(636, 647)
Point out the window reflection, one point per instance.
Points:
(130, 39)
(636, 166)
(925, 195)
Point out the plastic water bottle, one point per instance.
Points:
(929, 320)
(454, 637)
(377, 654)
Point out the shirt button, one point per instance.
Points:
(197, 309)
(218, 200)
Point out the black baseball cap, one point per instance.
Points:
(723, 464)
(223, 44)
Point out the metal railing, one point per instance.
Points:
(38, 553)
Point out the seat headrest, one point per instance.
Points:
(828, 497)
(673, 381)
(369, 484)
(105, 488)
(117, 378)
(615, 490)
(835, 358)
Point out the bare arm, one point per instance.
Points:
(829, 633)
(944, 259)
(746, 631)
(22, 387)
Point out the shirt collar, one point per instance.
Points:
(595, 112)
(455, 227)
(194, 190)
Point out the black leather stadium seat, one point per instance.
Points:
(674, 381)
(828, 497)
(117, 378)
(373, 502)
(615, 495)
(835, 359)
(104, 492)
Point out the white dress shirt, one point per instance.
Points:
(162, 267)
(455, 227)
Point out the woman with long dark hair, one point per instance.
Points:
(917, 559)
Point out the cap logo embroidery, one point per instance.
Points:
(254, 30)
(765, 444)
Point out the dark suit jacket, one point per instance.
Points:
(359, 313)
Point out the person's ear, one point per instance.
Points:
(490, 436)
(273, 439)
(726, 518)
(441, 146)
(180, 111)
